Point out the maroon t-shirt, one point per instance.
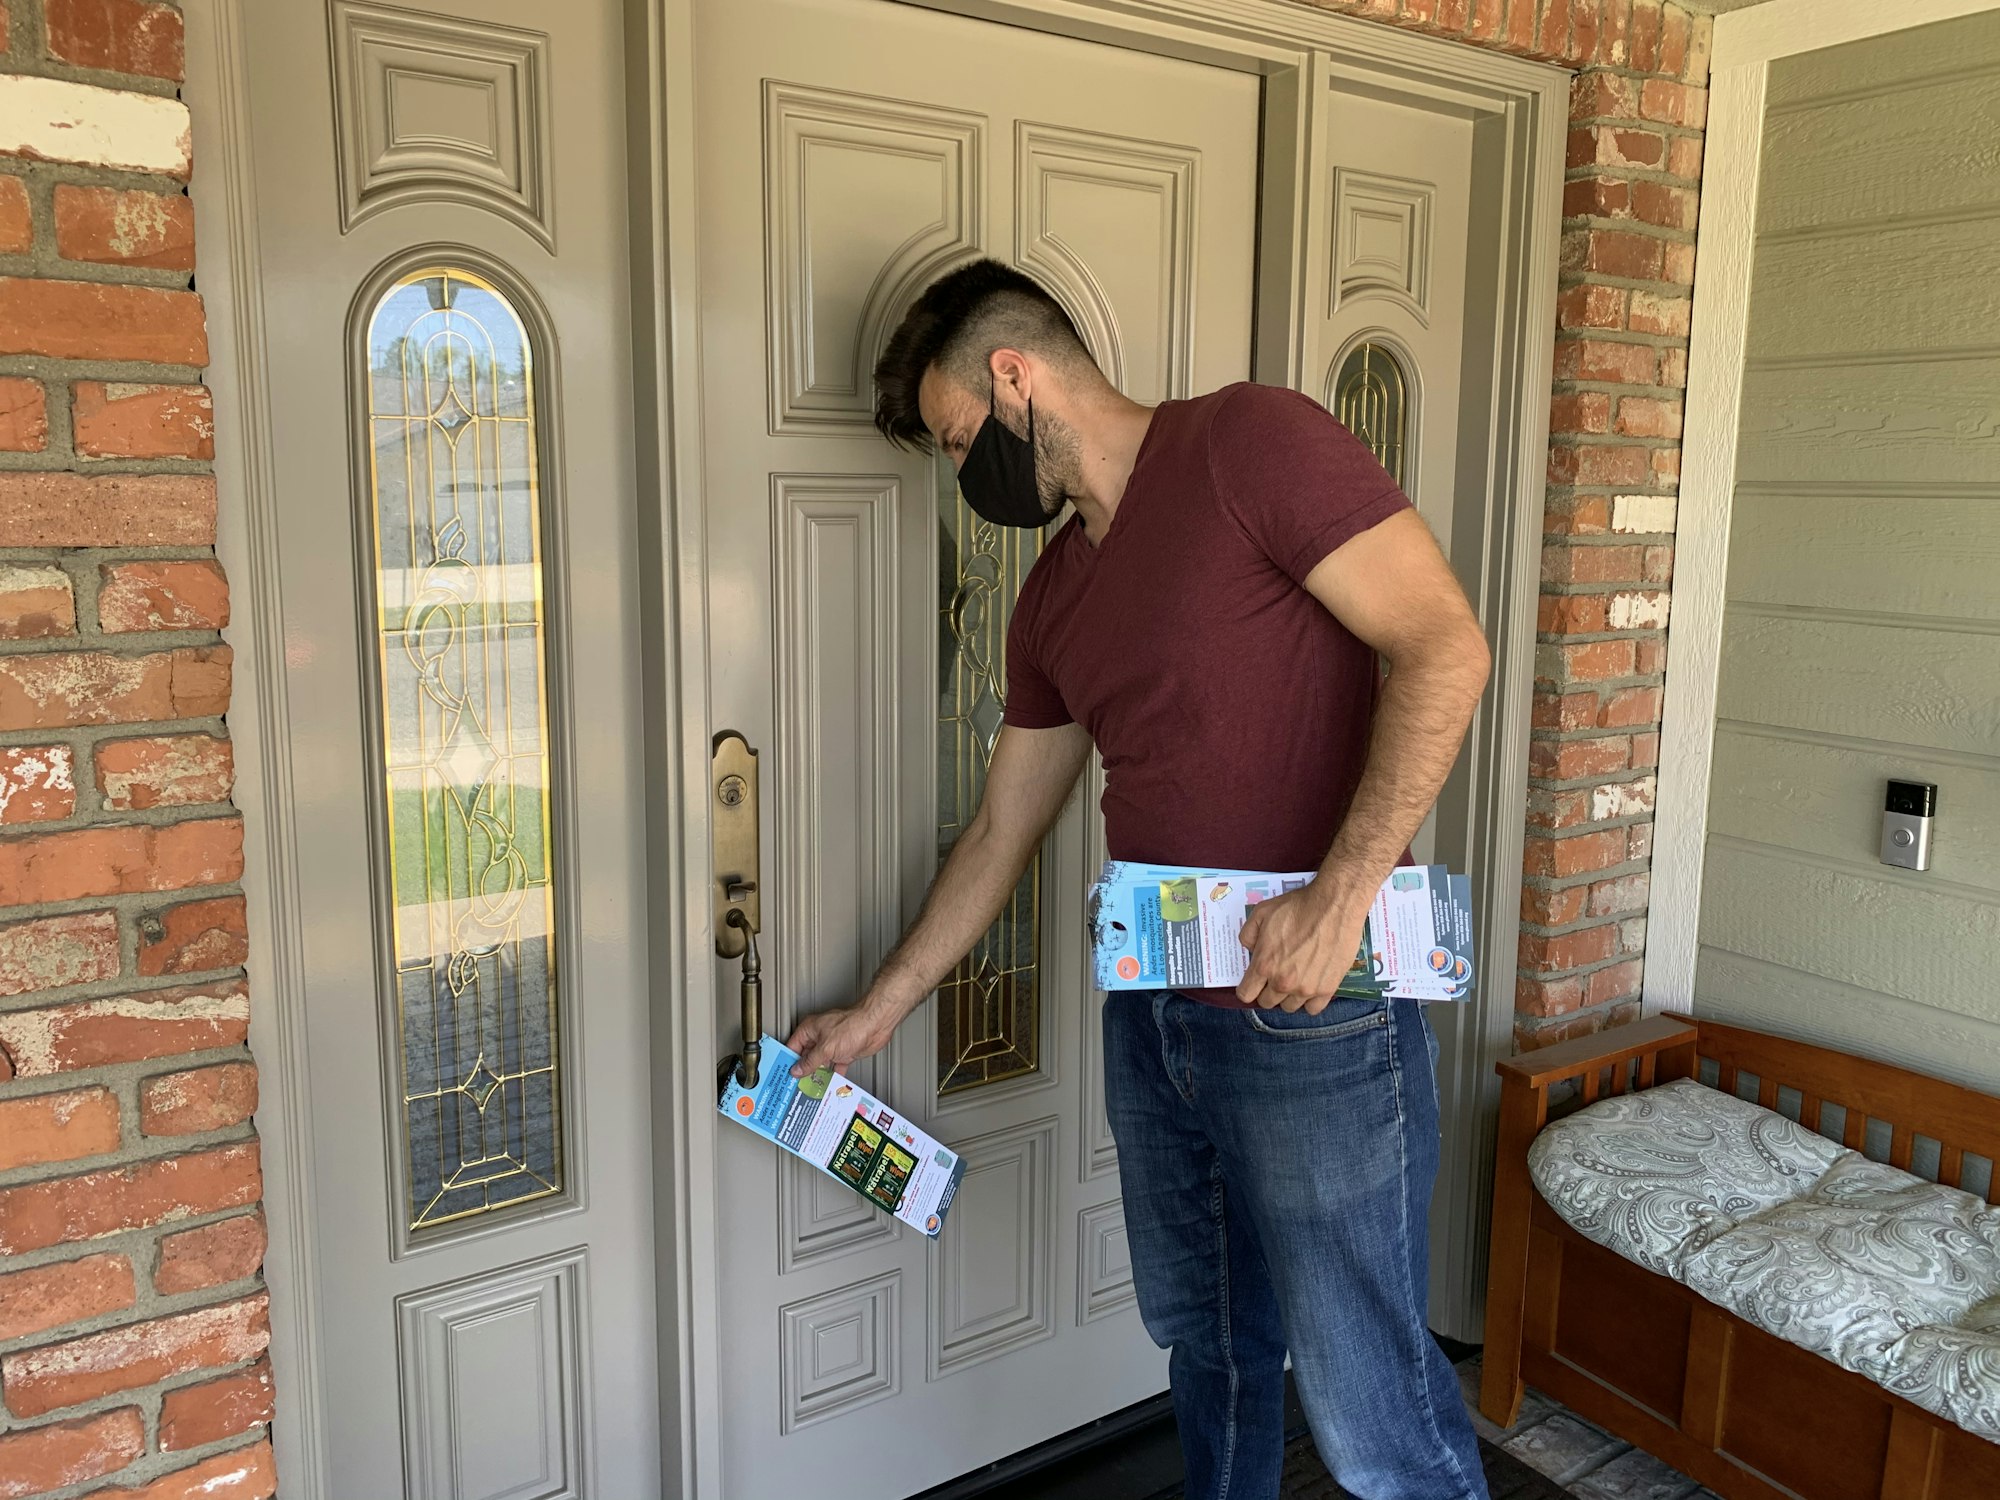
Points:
(1231, 709)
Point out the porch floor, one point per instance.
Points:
(1585, 1461)
(1549, 1454)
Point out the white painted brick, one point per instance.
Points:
(1629, 799)
(1642, 514)
(1632, 935)
(1640, 611)
(54, 120)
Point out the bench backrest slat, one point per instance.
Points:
(1961, 1120)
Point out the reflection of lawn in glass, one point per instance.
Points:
(445, 849)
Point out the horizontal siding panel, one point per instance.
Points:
(1901, 554)
(1908, 1033)
(1898, 57)
(1921, 150)
(1827, 800)
(1934, 688)
(1903, 421)
(1881, 291)
(1919, 945)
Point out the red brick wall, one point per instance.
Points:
(132, 1319)
(1637, 109)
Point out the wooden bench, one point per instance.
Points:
(1747, 1414)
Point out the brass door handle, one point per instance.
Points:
(751, 996)
(738, 908)
(733, 839)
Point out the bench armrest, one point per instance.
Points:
(1601, 1050)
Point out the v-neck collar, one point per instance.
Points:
(1125, 501)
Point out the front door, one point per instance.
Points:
(850, 151)
(440, 220)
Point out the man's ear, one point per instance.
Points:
(1012, 373)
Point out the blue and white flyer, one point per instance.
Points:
(825, 1119)
(1178, 927)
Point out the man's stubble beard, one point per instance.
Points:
(1058, 463)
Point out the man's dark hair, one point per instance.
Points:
(957, 323)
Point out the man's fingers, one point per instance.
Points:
(1252, 925)
(808, 1043)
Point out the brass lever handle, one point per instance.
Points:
(733, 829)
(753, 1002)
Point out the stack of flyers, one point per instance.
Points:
(1176, 927)
(828, 1120)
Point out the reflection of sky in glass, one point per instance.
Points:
(458, 592)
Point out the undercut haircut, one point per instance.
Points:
(957, 323)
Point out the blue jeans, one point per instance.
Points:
(1277, 1173)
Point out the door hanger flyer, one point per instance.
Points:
(827, 1120)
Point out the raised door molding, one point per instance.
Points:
(840, 1350)
(493, 1375)
(1381, 240)
(1103, 1263)
(430, 108)
(867, 201)
(993, 1274)
(837, 887)
(1107, 225)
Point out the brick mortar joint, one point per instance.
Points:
(93, 735)
(1644, 228)
(1581, 971)
(122, 985)
(1587, 923)
(134, 643)
(1604, 171)
(137, 1150)
(149, 1304)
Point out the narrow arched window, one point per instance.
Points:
(454, 501)
(1371, 398)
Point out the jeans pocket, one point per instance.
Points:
(1340, 1018)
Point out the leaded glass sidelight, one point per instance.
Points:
(1371, 398)
(463, 764)
(989, 1011)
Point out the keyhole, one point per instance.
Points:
(731, 791)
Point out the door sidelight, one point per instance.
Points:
(738, 904)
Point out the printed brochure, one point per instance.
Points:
(1157, 927)
(826, 1119)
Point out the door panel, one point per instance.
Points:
(857, 620)
(1394, 189)
(451, 417)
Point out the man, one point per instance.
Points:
(1211, 618)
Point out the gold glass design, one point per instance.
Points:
(990, 1010)
(464, 759)
(1371, 400)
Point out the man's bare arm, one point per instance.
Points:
(1032, 774)
(1394, 589)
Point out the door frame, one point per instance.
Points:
(1297, 52)
(1522, 107)
(1746, 44)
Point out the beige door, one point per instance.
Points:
(1388, 344)
(441, 228)
(849, 151)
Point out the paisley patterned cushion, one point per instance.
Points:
(1888, 1275)
(1658, 1174)
(1870, 1254)
(1954, 1372)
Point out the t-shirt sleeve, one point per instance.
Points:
(1296, 481)
(1032, 699)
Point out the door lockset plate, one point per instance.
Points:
(732, 811)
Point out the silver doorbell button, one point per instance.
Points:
(1907, 813)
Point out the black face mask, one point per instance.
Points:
(998, 475)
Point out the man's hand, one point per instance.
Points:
(1301, 946)
(840, 1038)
